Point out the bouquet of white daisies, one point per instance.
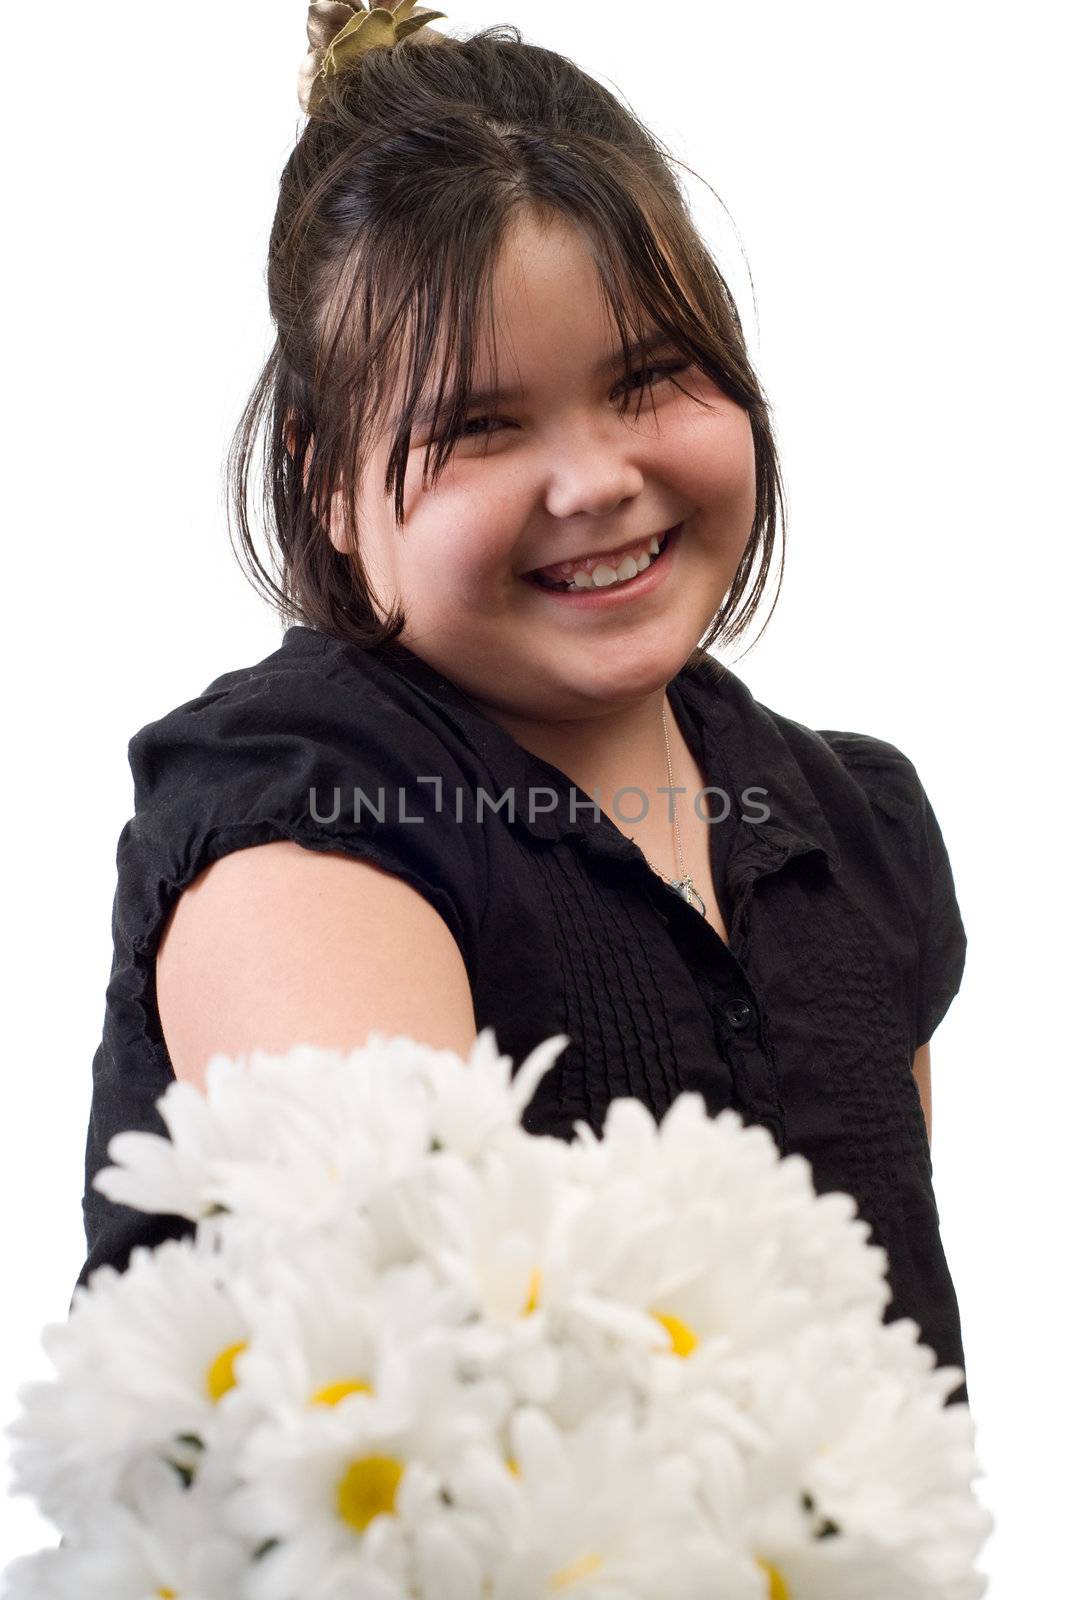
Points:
(413, 1350)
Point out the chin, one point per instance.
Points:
(626, 674)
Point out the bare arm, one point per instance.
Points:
(277, 945)
(921, 1069)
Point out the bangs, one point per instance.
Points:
(443, 322)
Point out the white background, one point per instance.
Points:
(895, 177)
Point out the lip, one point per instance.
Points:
(605, 555)
(616, 594)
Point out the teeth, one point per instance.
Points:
(604, 574)
(565, 571)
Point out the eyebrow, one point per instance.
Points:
(653, 339)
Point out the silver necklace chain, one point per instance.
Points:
(684, 885)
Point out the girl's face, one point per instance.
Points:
(556, 469)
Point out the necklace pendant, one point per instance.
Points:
(687, 891)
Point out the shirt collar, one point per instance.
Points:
(751, 740)
(758, 751)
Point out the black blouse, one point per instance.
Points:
(845, 947)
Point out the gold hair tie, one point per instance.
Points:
(340, 33)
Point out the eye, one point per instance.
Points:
(668, 369)
(460, 434)
(665, 370)
(471, 422)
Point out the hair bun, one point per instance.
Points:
(339, 34)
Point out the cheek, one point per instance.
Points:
(458, 541)
(703, 447)
(456, 559)
(720, 459)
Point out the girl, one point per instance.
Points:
(521, 477)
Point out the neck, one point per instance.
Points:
(617, 749)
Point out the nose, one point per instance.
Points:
(590, 474)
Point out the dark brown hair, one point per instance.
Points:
(393, 207)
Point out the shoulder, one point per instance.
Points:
(840, 767)
(880, 783)
(866, 774)
(864, 789)
(863, 793)
(312, 699)
(887, 776)
(318, 743)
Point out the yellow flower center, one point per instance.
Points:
(166, 1594)
(533, 1292)
(368, 1489)
(579, 1569)
(220, 1375)
(332, 1393)
(779, 1589)
(683, 1338)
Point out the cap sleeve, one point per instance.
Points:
(331, 762)
(262, 755)
(920, 858)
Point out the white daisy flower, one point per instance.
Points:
(599, 1513)
(348, 1477)
(168, 1541)
(141, 1365)
(324, 1327)
(838, 1425)
(260, 1116)
(474, 1108)
(690, 1157)
(685, 1180)
(330, 1120)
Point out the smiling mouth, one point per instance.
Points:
(602, 576)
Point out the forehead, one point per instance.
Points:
(542, 309)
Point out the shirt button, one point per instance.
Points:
(738, 1013)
